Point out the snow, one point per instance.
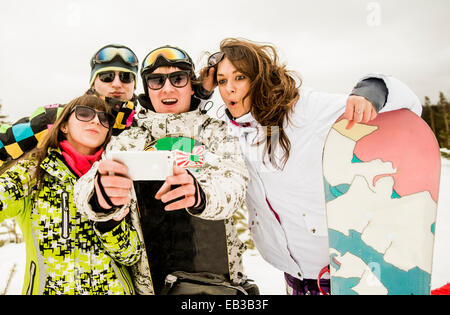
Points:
(269, 279)
(12, 256)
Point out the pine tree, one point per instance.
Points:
(428, 107)
(2, 117)
(438, 118)
(445, 133)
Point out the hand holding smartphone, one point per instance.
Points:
(145, 165)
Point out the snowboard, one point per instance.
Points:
(381, 187)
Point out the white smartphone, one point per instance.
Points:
(145, 165)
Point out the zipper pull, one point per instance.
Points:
(65, 214)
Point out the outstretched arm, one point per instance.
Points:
(25, 134)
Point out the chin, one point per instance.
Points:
(94, 146)
(235, 114)
(172, 110)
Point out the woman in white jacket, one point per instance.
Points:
(282, 129)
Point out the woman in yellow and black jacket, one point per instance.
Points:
(66, 252)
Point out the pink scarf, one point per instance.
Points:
(79, 163)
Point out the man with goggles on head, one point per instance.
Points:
(113, 78)
(186, 220)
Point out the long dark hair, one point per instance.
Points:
(273, 89)
(55, 135)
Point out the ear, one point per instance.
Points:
(63, 128)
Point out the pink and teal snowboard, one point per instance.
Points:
(381, 185)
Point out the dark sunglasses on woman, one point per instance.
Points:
(86, 114)
(178, 79)
(108, 76)
(215, 58)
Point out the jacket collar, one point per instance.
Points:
(54, 165)
(123, 111)
(245, 127)
(244, 121)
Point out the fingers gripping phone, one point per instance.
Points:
(145, 165)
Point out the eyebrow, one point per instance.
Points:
(235, 71)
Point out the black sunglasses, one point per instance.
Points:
(108, 76)
(85, 113)
(178, 79)
(215, 58)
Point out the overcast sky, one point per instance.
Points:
(46, 45)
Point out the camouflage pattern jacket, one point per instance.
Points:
(213, 158)
(65, 253)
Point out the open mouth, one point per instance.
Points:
(169, 101)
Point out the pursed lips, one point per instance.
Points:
(117, 94)
(94, 131)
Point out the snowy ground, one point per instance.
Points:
(269, 279)
(12, 256)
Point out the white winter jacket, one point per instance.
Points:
(298, 244)
(223, 179)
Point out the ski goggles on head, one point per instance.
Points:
(171, 55)
(107, 54)
(86, 114)
(215, 58)
(178, 79)
(108, 76)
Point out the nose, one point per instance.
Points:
(95, 120)
(116, 82)
(167, 87)
(230, 87)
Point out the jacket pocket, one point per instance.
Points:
(317, 224)
(32, 276)
(123, 277)
(65, 214)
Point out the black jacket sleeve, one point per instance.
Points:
(374, 90)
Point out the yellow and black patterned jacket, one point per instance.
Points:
(25, 134)
(65, 252)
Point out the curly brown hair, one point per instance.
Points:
(273, 89)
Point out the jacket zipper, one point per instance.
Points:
(171, 280)
(127, 282)
(65, 214)
(32, 275)
(122, 276)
